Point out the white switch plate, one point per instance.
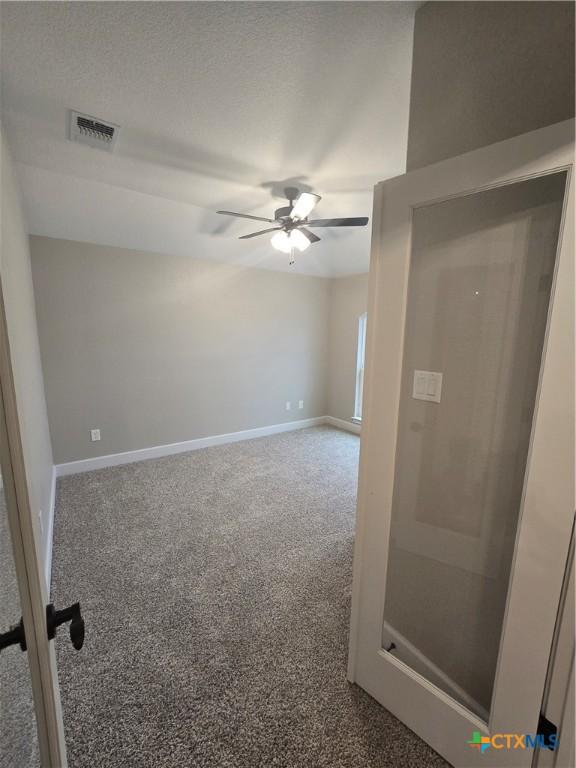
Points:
(288, 405)
(427, 386)
(300, 404)
(94, 435)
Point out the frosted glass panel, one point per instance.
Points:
(481, 273)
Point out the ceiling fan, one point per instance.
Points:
(292, 222)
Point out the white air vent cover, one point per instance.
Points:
(93, 131)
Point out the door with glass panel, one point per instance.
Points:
(466, 490)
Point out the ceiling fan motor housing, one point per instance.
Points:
(283, 213)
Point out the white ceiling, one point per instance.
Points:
(221, 105)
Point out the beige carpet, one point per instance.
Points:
(215, 587)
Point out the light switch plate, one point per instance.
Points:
(427, 386)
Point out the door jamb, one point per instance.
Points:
(41, 655)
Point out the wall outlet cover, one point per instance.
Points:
(94, 435)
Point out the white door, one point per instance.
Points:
(466, 488)
(31, 732)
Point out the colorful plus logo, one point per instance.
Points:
(480, 742)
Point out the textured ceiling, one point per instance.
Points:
(220, 104)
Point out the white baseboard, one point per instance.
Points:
(50, 533)
(158, 451)
(349, 426)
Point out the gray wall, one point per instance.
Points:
(21, 321)
(158, 349)
(348, 300)
(485, 71)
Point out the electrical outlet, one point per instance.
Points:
(300, 404)
(288, 405)
(94, 435)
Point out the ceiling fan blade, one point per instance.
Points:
(304, 206)
(261, 232)
(359, 221)
(310, 235)
(245, 216)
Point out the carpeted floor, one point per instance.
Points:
(215, 586)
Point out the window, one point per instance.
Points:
(360, 365)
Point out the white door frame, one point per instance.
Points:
(29, 573)
(539, 558)
(558, 704)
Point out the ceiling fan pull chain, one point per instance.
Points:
(292, 259)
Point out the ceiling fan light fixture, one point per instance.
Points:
(286, 241)
(299, 240)
(281, 242)
(304, 206)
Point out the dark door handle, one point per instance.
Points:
(15, 635)
(72, 614)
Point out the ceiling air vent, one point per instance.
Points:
(93, 131)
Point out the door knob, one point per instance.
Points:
(15, 635)
(72, 614)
